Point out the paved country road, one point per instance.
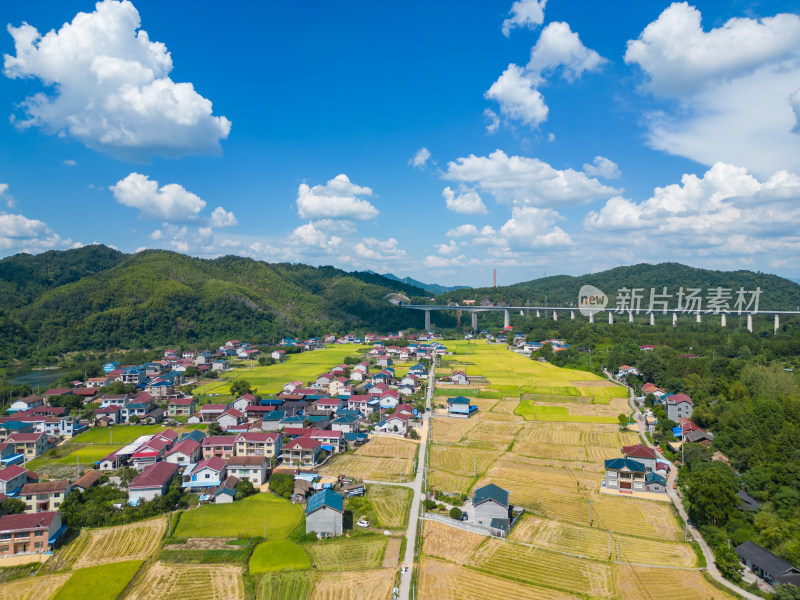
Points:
(676, 500)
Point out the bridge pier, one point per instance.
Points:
(427, 320)
(555, 316)
(750, 323)
(652, 319)
(610, 318)
(723, 322)
(630, 316)
(698, 317)
(475, 320)
(674, 319)
(777, 325)
(538, 314)
(591, 317)
(506, 318)
(572, 315)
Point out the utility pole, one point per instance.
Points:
(590, 513)
(609, 544)
(475, 465)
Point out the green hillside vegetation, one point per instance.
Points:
(94, 298)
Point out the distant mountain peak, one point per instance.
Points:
(433, 288)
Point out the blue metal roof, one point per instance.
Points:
(490, 492)
(458, 400)
(326, 497)
(624, 463)
(655, 478)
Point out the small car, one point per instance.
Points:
(363, 523)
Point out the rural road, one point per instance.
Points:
(676, 500)
(416, 500)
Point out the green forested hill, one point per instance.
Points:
(97, 298)
(562, 290)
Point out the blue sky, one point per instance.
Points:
(433, 139)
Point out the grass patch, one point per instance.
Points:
(208, 557)
(89, 454)
(116, 435)
(278, 555)
(103, 582)
(559, 414)
(259, 515)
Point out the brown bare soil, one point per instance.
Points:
(202, 544)
(392, 553)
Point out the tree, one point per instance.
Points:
(712, 493)
(623, 420)
(244, 489)
(786, 591)
(12, 506)
(214, 429)
(282, 484)
(412, 434)
(240, 387)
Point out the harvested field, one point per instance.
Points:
(284, 586)
(501, 417)
(461, 460)
(370, 467)
(594, 543)
(203, 544)
(388, 447)
(450, 543)
(439, 580)
(506, 406)
(391, 504)
(444, 429)
(391, 556)
(29, 588)
(354, 585)
(545, 568)
(135, 541)
(595, 384)
(347, 555)
(679, 585)
(196, 582)
(449, 482)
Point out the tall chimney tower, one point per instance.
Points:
(494, 277)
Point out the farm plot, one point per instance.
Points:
(450, 543)
(545, 568)
(370, 467)
(603, 395)
(198, 582)
(444, 429)
(284, 586)
(391, 554)
(388, 447)
(594, 543)
(679, 585)
(506, 406)
(278, 555)
(29, 588)
(461, 460)
(449, 482)
(82, 583)
(354, 585)
(439, 580)
(347, 555)
(391, 504)
(247, 517)
(135, 541)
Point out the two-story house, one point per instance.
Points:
(253, 443)
(44, 496)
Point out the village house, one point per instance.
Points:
(138, 407)
(324, 513)
(252, 468)
(346, 423)
(180, 407)
(44, 496)
(111, 415)
(625, 474)
(225, 493)
(30, 445)
(459, 406)
(185, 452)
(230, 418)
(395, 423)
(220, 446)
(772, 569)
(153, 481)
(491, 508)
(331, 441)
(87, 480)
(209, 472)
(301, 452)
(678, 406)
(626, 370)
(29, 533)
(642, 454)
(12, 478)
(211, 412)
(263, 444)
(150, 452)
(26, 403)
(459, 378)
(653, 482)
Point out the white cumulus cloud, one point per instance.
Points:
(602, 167)
(375, 249)
(447, 249)
(337, 199)
(463, 231)
(466, 201)
(222, 218)
(109, 87)
(518, 99)
(420, 158)
(561, 48)
(524, 13)
(171, 202)
(521, 180)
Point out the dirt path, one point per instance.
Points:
(392, 553)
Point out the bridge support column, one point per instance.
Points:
(630, 316)
(777, 325)
(555, 316)
(652, 319)
(698, 317)
(475, 320)
(506, 318)
(674, 319)
(610, 318)
(427, 320)
(750, 323)
(538, 314)
(723, 321)
(591, 317)
(572, 315)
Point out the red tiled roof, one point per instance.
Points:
(325, 434)
(187, 446)
(233, 412)
(297, 431)
(638, 451)
(155, 475)
(88, 479)
(219, 440)
(45, 487)
(181, 401)
(57, 392)
(24, 437)
(678, 398)
(41, 520)
(359, 398)
(304, 442)
(11, 471)
(168, 434)
(257, 436)
(214, 407)
(214, 463)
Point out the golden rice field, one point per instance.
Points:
(545, 568)
(388, 447)
(354, 585)
(135, 541)
(370, 467)
(439, 580)
(505, 406)
(29, 588)
(347, 555)
(190, 582)
(461, 460)
(449, 482)
(678, 585)
(594, 542)
(444, 429)
(391, 504)
(455, 545)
